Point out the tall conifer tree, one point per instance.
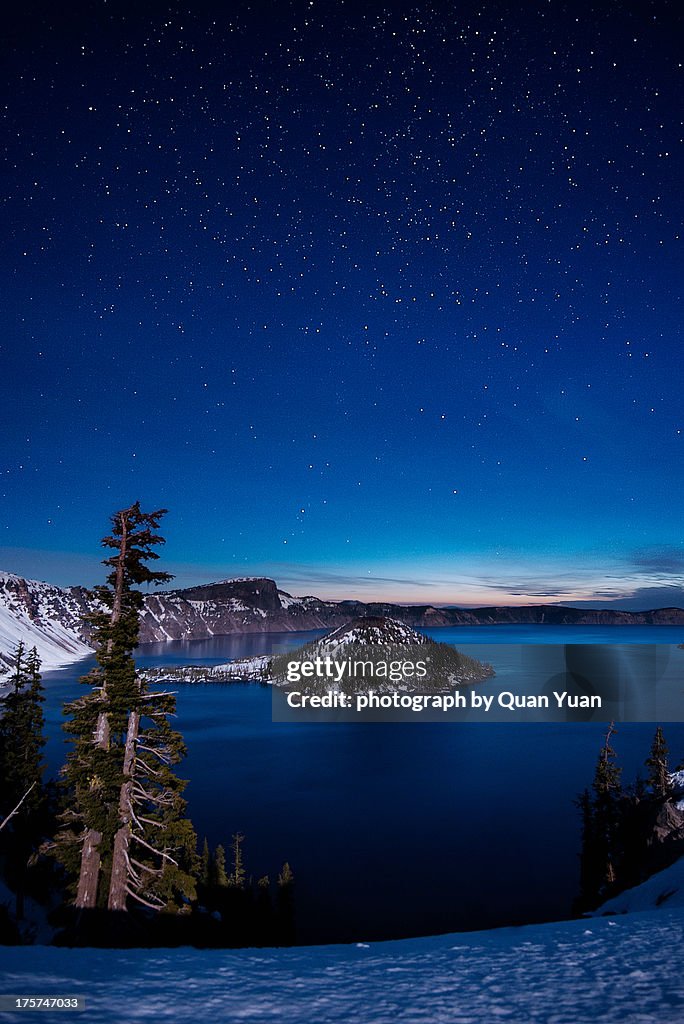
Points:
(21, 737)
(238, 875)
(658, 768)
(23, 803)
(122, 790)
(601, 826)
(607, 793)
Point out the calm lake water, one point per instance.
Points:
(395, 829)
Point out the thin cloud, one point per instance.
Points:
(663, 559)
(641, 600)
(288, 574)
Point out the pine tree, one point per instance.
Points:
(285, 906)
(286, 876)
(658, 771)
(238, 875)
(23, 803)
(607, 775)
(21, 738)
(218, 876)
(205, 864)
(627, 833)
(601, 810)
(607, 793)
(125, 834)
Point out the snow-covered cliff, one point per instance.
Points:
(45, 617)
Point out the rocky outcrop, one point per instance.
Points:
(669, 826)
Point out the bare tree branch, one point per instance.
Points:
(159, 905)
(159, 853)
(147, 868)
(151, 821)
(12, 813)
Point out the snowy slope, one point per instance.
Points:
(43, 616)
(371, 630)
(627, 970)
(664, 889)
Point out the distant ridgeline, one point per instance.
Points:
(370, 652)
(50, 617)
(257, 605)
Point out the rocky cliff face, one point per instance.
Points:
(233, 606)
(256, 605)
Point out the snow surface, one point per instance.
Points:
(372, 631)
(665, 889)
(237, 579)
(604, 971)
(57, 645)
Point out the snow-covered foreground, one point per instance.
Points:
(627, 969)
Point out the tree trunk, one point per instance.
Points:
(101, 736)
(120, 567)
(89, 874)
(86, 893)
(118, 882)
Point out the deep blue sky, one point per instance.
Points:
(381, 300)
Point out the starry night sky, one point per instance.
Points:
(382, 300)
